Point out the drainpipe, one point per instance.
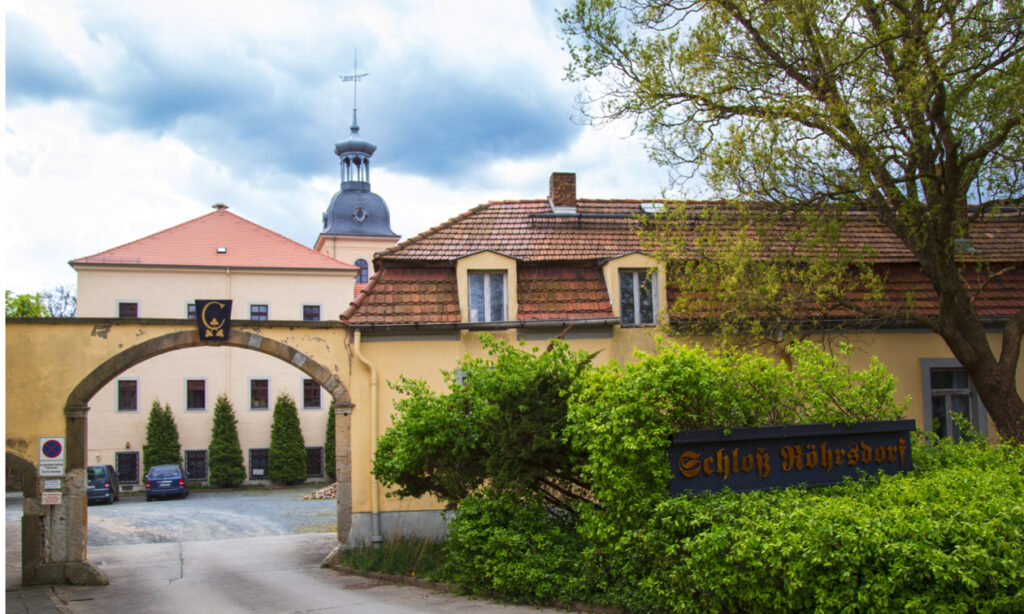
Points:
(376, 539)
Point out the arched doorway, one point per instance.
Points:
(60, 557)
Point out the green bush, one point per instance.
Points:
(518, 548)
(329, 445)
(227, 467)
(162, 445)
(945, 539)
(286, 462)
(948, 537)
(500, 426)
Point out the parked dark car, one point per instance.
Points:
(104, 486)
(166, 481)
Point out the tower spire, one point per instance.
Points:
(354, 78)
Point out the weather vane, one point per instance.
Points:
(354, 78)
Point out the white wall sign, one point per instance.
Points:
(51, 457)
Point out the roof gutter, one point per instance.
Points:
(511, 324)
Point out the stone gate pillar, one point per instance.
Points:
(59, 556)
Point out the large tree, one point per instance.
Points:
(820, 113)
(24, 305)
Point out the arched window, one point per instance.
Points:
(363, 274)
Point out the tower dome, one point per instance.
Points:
(355, 210)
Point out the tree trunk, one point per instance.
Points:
(995, 380)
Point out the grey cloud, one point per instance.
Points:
(36, 70)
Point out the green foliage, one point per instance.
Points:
(227, 467)
(406, 556)
(824, 116)
(287, 456)
(329, 445)
(623, 415)
(162, 445)
(501, 426)
(947, 539)
(520, 549)
(25, 305)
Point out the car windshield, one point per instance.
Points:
(97, 473)
(163, 472)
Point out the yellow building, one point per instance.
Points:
(533, 269)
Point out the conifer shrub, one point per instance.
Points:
(227, 467)
(287, 455)
(162, 445)
(329, 446)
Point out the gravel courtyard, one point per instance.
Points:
(204, 515)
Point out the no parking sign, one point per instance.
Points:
(51, 456)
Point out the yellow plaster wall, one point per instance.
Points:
(46, 359)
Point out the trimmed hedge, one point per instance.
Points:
(947, 538)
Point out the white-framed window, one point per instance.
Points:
(127, 395)
(487, 296)
(195, 394)
(310, 394)
(948, 392)
(259, 461)
(311, 313)
(259, 311)
(128, 309)
(259, 393)
(195, 464)
(364, 271)
(637, 298)
(190, 311)
(127, 464)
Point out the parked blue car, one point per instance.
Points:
(166, 481)
(104, 486)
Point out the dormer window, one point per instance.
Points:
(487, 297)
(636, 293)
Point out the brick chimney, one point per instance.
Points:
(562, 193)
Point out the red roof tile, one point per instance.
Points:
(562, 292)
(559, 259)
(195, 243)
(407, 295)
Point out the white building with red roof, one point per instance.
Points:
(217, 256)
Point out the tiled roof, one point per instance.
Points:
(999, 297)
(407, 295)
(560, 256)
(566, 292)
(195, 243)
(526, 230)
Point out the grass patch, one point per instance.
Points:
(404, 556)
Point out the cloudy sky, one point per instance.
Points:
(126, 117)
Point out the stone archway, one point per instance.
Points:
(60, 557)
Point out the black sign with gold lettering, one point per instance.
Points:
(214, 319)
(778, 456)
